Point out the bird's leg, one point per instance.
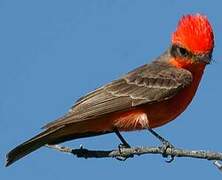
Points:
(123, 145)
(124, 142)
(165, 144)
(162, 140)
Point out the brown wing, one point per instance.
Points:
(147, 84)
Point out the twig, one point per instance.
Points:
(125, 153)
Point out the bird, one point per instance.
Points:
(145, 98)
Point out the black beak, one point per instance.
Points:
(206, 58)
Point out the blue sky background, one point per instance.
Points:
(52, 52)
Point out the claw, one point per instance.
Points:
(121, 158)
(123, 146)
(164, 147)
(170, 160)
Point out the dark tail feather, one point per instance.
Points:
(29, 146)
(59, 134)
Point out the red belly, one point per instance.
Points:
(158, 113)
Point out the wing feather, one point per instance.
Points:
(149, 83)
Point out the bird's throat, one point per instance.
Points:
(190, 65)
(196, 68)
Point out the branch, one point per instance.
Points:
(124, 153)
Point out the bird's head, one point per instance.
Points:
(192, 42)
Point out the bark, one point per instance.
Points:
(125, 153)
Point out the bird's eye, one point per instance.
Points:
(182, 52)
(179, 51)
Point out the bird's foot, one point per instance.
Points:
(165, 145)
(120, 148)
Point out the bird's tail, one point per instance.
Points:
(58, 134)
(29, 146)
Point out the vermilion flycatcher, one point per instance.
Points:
(145, 98)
